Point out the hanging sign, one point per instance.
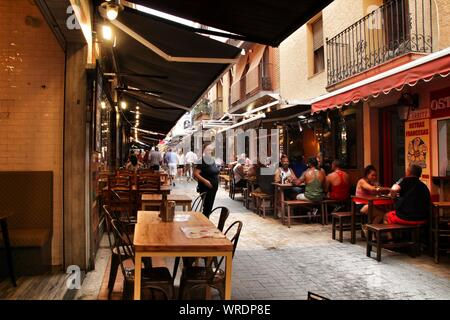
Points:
(440, 103)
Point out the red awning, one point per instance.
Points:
(425, 68)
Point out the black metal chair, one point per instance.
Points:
(224, 213)
(207, 276)
(154, 280)
(197, 205)
(315, 296)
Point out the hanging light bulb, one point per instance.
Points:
(107, 32)
(123, 105)
(110, 9)
(103, 104)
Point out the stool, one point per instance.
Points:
(380, 229)
(340, 217)
(260, 197)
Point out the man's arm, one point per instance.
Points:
(277, 177)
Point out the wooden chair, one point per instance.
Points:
(147, 183)
(153, 280)
(120, 196)
(207, 276)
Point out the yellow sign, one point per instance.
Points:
(417, 146)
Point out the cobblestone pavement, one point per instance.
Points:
(276, 262)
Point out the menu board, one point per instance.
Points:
(417, 146)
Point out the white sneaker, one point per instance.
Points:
(314, 211)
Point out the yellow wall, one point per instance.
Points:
(296, 51)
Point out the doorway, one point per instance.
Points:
(392, 147)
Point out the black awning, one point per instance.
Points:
(165, 90)
(263, 21)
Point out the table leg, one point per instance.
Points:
(353, 224)
(275, 202)
(228, 269)
(190, 206)
(370, 211)
(5, 233)
(282, 205)
(137, 276)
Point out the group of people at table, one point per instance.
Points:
(411, 196)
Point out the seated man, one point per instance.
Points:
(338, 183)
(286, 175)
(413, 203)
(314, 180)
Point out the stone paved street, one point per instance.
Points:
(275, 262)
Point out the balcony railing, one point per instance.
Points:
(392, 30)
(256, 80)
(216, 108)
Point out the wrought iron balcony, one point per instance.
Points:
(396, 28)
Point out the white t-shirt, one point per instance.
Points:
(284, 174)
(190, 158)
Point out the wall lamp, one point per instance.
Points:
(407, 103)
(110, 9)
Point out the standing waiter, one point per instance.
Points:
(207, 175)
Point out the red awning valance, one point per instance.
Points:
(425, 68)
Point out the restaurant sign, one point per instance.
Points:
(440, 103)
(417, 146)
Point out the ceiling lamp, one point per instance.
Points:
(123, 105)
(110, 9)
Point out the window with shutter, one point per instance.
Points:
(319, 57)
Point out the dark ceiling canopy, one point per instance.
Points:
(263, 21)
(178, 85)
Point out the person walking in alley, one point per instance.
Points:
(155, 159)
(190, 160)
(171, 159)
(207, 176)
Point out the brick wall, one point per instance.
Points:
(32, 100)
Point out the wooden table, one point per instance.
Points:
(154, 238)
(7, 244)
(370, 201)
(279, 205)
(153, 200)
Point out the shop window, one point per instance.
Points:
(444, 147)
(345, 138)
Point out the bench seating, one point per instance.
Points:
(290, 204)
(380, 229)
(29, 196)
